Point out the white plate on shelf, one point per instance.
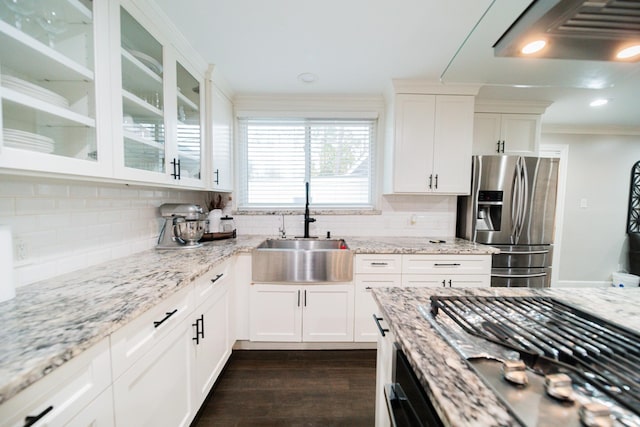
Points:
(28, 141)
(33, 90)
(148, 61)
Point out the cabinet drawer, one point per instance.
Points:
(215, 281)
(66, 391)
(444, 281)
(378, 263)
(446, 264)
(133, 340)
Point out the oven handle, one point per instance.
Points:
(518, 276)
(401, 412)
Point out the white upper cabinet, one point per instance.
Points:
(160, 106)
(100, 89)
(51, 79)
(221, 110)
(432, 140)
(502, 127)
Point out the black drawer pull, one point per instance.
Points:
(218, 276)
(168, 315)
(380, 328)
(30, 420)
(447, 264)
(379, 264)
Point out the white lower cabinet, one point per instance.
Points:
(211, 339)
(384, 369)
(67, 396)
(98, 413)
(364, 328)
(290, 313)
(156, 390)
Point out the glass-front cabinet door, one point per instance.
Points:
(143, 117)
(189, 123)
(48, 86)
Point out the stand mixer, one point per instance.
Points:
(183, 226)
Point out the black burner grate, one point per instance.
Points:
(553, 336)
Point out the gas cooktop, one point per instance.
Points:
(551, 363)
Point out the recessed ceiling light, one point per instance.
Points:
(598, 102)
(307, 77)
(533, 47)
(629, 52)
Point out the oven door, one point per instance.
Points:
(407, 401)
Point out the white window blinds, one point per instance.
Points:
(279, 155)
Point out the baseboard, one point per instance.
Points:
(251, 345)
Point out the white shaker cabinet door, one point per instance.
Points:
(275, 313)
(210, 341)
(413, 144)
(156, 390)
(453, 144)
(327, 313)
(365, 306)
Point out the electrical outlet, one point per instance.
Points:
(20, 250)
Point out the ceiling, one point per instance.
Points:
(356, 47)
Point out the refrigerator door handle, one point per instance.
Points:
(524, 252)
(518, 276)
(525, 197)
(515, 204)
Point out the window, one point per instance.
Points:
(279, 155)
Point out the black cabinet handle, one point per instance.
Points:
(218, 276)
(446, 264)
(199, 329)
(368, 288)
(305, 297)
(498, 149)
(168, 315)
(379, 264)
(30, 420)
(436, 181)
(176, 168)
(380, 328)
(217, 173)
(449, 282)
(503, 146)
(431, 181)
(298, 298)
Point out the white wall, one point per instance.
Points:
(60, 226)
(598, 175)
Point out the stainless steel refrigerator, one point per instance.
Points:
(512, 206)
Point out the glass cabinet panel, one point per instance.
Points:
(47, 77)
(142, 97)
(188, 124)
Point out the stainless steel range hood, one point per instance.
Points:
(575, 29)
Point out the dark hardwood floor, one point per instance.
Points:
(293, 388)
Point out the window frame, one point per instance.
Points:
(242, 159)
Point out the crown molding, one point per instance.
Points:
(591, 130)
(510, 106)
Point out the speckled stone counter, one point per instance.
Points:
(50, 322)
(460, 397)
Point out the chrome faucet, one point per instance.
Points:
(307, 218)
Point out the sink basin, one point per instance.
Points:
(303, 244)
(302, 261)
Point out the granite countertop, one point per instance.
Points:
(460, 396)
(50, 322)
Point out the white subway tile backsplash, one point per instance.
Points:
(35, 205)
(83, 191)
(12, 187)
(52, 190)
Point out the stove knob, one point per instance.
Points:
(595, 414)
(515, 372)
(559, 386)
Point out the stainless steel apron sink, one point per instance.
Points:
(302, 261)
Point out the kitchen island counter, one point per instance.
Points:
(50, 322)
(459, 395)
